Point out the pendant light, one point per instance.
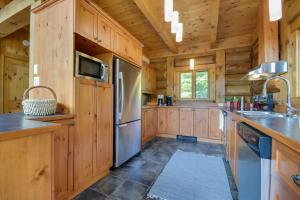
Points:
(275, 10)
(179, 32)
(192, 64)
(168, 10)
(174, 22)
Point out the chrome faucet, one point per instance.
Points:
(289, 109)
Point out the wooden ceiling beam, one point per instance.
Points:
(163, 30)
(204, 47)
(14, 16)
(214, 13)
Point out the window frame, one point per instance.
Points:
(194, 84)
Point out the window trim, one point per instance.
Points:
(194, 84)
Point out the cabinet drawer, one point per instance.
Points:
(285, 165)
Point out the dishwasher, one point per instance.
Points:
(253, 163)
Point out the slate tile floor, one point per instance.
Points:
(133, 180)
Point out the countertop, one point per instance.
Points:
(15, 125)
(200, 105)
(283, 129)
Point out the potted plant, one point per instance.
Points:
(235, 102)
(228, 101)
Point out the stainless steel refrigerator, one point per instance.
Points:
(127, 111)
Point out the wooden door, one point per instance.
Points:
(85, 132)
(186, 121)
(152, 79)
(214, 131)
(16, 81)
(121, 42)
(173, 121)
(135, 53)
(285, 164)
(86, 20)
(145, 77)
(201, 123)
(161, 120)
(104, 143)
(105, 32)
(148, 126)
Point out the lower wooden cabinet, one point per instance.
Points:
(201, 126)
(94, 132)
(285, 165)
(232, 146)
(173, 121)
(214, 130)
(149, 124)
(161, 120)
(186, 121)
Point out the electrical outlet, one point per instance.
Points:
(36, 81)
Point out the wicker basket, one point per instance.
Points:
(39, 107)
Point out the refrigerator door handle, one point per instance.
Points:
(122, 95)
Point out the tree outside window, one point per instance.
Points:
(194, 85)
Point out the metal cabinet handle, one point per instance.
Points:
(296, 179)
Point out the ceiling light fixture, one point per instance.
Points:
(192, 64)
(179, 32)
(174, 22)
(168, 10)
(275, 10)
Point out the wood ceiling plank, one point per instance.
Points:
(13, 8)
(215, 12)
(158, 23)
(204, 47)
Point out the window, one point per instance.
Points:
(194, 85)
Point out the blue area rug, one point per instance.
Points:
(191, 176)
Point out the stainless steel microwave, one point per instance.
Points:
(90, 67)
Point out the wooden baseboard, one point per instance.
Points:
(88, 184)
(198, 139)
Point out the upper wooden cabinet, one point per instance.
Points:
(92, 23)
(104, 32)
(148, 79)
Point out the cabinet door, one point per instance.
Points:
(105, 32)
(121, 42)
(145, 77)
(173, 121)
(104, 142)
(85, 133)
(149, 125)
(161, 120)
(201, 123)
(186, 121)
(135, 53)
(214, 131)
(286, 163)
(233, 147)
(152, 79)
(86, 20)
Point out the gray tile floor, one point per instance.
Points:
(133, 180)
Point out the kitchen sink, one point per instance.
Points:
(261, 114)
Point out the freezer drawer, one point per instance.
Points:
(127, 141)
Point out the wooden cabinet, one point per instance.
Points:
(93, 136)
(148, 79)
(232, 146)
(63, 159)
(85, 133)
(186, 121)
(161, 120)
(214, 131)
(173, 121)
(285, 165)
(201, 123)
(104, 138)
(86, 20)
(149, 124)
(104, 32)
(93, 24)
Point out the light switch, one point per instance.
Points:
(36, 81)
(35, 69)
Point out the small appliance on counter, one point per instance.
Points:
(160, 100)
(169, 100)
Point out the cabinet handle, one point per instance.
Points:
(96, 38)
(296, 179)
(99, 41)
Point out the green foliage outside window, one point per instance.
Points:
(202, 85)
(186, 85)
(197, 81)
